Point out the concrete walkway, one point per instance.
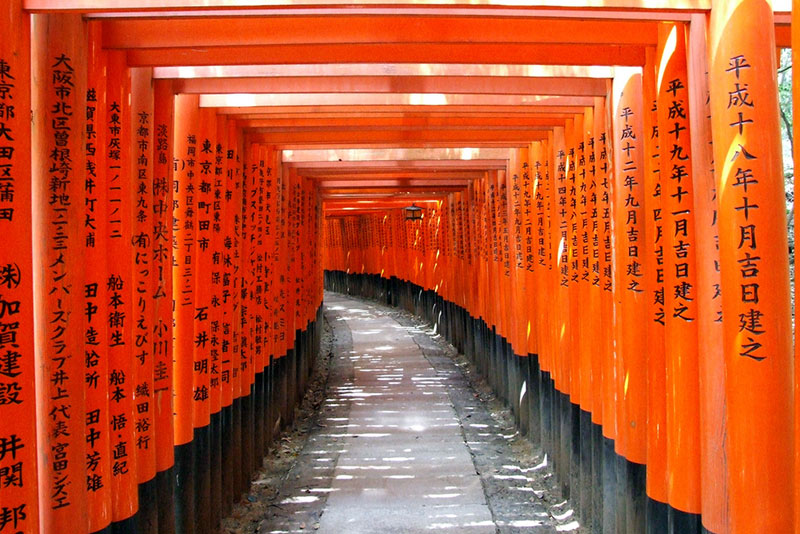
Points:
(402, 444)
(405, 465)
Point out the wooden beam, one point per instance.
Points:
(504, 53)
(399, 157)
(357, 29)
(260, 112)
(398, 137)
(370, 174)
(398, 184)
(428, 122)
(416, 100)
(396, 84)
(232, 6)
(317, 70)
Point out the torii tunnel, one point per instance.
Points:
(602, 231)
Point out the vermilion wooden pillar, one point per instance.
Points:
(217, 384)
(119, 292)
(754, 266)
(58, 159)
(574, 137)
(630, 241)
(235, 271)
(202, 332)
(162, 342)
(590, 296)
(709, 289)
(18, 441)
(560, 371)
(586, 193)
(231, 448)
(246, 331)
(572, 354)
(183, 283)
(796, 150)
(98, 450)
(143, 287)
(654, 249)
(540, 274)
(680, 280)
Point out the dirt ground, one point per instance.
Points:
(289, 493)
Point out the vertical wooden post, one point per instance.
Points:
(218, 385)
(560, 325)
(630, 240)
(98, 453)
(605, 163)
(120, 292)
(235, 270)
(754, 266)
(19, 492)
(183, 283)
(202, 332)
(680, 280)
(58, 160)
(162, 242)
(709, 289)
(796, 151)
(574, 137)
(654, 285)
(143, 285)
(228, 308)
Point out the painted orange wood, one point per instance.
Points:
(680, 273)
(19, 491)
(58, 87)
(186, 118)
(754, 267)
(98, 433)
(162, 242)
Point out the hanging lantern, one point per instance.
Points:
(413, 213)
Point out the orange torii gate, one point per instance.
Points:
(603, 234)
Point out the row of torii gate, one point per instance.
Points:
(604, 234)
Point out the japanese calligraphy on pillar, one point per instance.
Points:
(542, 193)
(144, 275)
(230, 255)
(217, 261)
(654, 204)
(202, 296)
(585, 193)
(631, 207)
(741, 112)
(561, 209)
(18, 460)
(62, 423)
(754, 268)
(119, 290)
(161, 246)
(527, 208)
(680, 271)
(605, 213)
(98, 462)
(183, 262)
(593, 222)
(679, 200)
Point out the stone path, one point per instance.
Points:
(406, 466)
(402, 445)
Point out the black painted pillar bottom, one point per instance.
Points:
(184, 488)
(165, 488)
(147, 516)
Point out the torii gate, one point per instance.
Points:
(604, 223)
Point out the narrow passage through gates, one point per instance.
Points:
(403, 443)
